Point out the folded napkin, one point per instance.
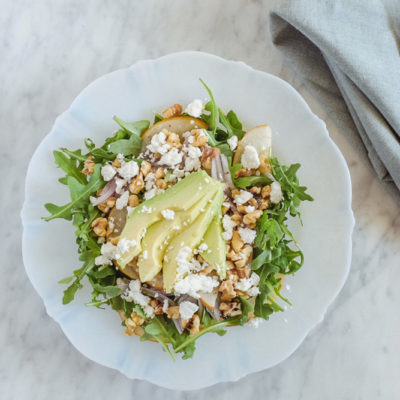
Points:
(348, 53)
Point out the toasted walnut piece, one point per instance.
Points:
(252, 218)
(230, 264)
(241, 209)
(158, 307)
(266, 191)
(235, 192)
(244, 172)
(193, 325)
(264, 167)
(145, 168)
(255, 190)
(116, 163)
(264, 204)
(174, 140)
(206, 270)
(133, 200)
(160, 173)
(200, 138)
(161, 183)
(224, 210)
(136, 318)
(208, 154)
(99, 226)
(237, 218)
(107, 205)
(243, 272)
(88, 166)
(172, 111)
(230, 309)
(232, 255)
(232, 274)
(139, 331)
(237, 242)
(253, 202)
(137, 184)
(122, 315)
(227, 290)
(115, 240)
(244, 256)
(173, 312)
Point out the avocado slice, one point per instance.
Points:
(162, 232)
(215, 254)
(181, 196)
(190, 237)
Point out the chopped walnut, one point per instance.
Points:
(243, 272)
(206, 270)
(237, 218)
(99, 226)
(244, 256)
(230, 309)
(253, 202)
(264, 204)
(200, 138)
(244, 172)
(208, 154)
(242, 209)
(251, 218)
(133, 325)
(107, 205)
(116, 163)
(230, 264)
(264, 167)
(133, 200)
(232, 255)
(172, 111)
(232, 275)
(227, 290)
(158, 306)
(235, 192)
(224, 209)
(173, 312)
(237, 242)
(160, 173)
(266, 191)
(88, 166)
(255, 190)
(193, 325)
(137, 184)
(172, 139)
(160, 183)
(145, 168)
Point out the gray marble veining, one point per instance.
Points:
(49, 52)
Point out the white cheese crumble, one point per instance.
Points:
(120, 183)
(128, 170)
(203, 247)
(249, 209)
(168, 214)
(123, 246)
(165, 306)
(107, 251)
(242, 197)
(250, 159)
(182, 259)
(249, 285)
(192, 160)
(233, 141)
(122, 201)
(195, 108)
(276, 192)
(192, 284)
(146, 210)
(134, 294)
(187, 309)
(108, 172)
(158, 144)
(171, 158)
(228, 226)
(248, 235)
(145, 255)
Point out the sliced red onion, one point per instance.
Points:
(201, 306)
(226, 172)
(214, 169)
(106, 193)
(178, 324)
(157, 294)
(215, 313)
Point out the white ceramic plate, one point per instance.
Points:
(49, 249)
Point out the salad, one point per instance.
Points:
(181, 226)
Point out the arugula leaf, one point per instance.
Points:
(134, 128)
(246, 309)
(211, 106)
(127, 147)
(231, 123)
(80, 194)
(247, 181)
(68, 165)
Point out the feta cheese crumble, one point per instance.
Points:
(123, 246)
(233, 141)
(107, 251)
(248, 235)
(249, 285)
(195, 108)
(168, 214)
(108, 172)
(172, 158)
(158, 144)
(122, 201)
(187, 309)
(146, 210)
(228, 226)
(242, 197)
(249, 209)
(203, 247)
(134, 294)
(250, 159)
(276, 192)
(128, 170)
(192, 284)
(255, 322)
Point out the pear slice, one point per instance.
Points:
(259, 137)
(178, 125)
(209, 300)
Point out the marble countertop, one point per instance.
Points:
(52, 50)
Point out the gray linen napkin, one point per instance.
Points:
(348, 53)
